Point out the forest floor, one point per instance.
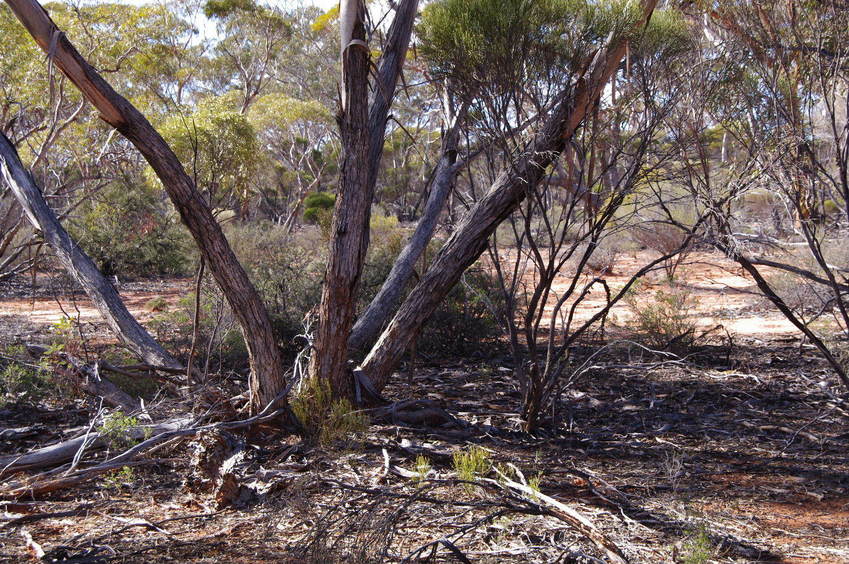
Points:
(738, 454)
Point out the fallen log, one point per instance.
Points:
(91, 380)
(60, 453)
(568, 515)
(64, 452)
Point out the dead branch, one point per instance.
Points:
(568, 515)
(91, 380)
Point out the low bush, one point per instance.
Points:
(131, 231)
(664, 321)
(318, 207)
(326, 421)
(472, 463)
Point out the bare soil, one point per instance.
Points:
(738, 455)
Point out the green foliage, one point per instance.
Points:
(324, 21)
(290, 281)
(698, 548)
(324, 419)
(130, 230)
(464, 322)
(318, 206)
(502, 44)
(472, 463)
(218, 332)
(116, 430)
(224, 8)
(21, 381)
(665, 320)
(422, 469)
(119, 478)
(534, 483)
(156, 304)
(219, 148)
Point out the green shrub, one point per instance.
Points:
(156, 304)
(130, 230)
(472, 463)
(422, 469)
(324, 419)
(119, 478)
(465, 321)
(116, 430)
(318, 205)
(698, 548)
(21, 381)
(218, 331)
(664, 321)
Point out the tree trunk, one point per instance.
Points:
(77, 263)
(380, 309)
(267, 378)
(507, 192)
(362, 131)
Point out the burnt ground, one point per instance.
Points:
(733, 456)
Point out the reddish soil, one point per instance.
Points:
(743, 446)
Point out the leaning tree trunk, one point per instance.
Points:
(380, 310)
(507, 192)
(362, 131)
(267, 379)
(77, 263)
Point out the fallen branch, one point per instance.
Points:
(63, 452)
(567, 515)
(60, 453)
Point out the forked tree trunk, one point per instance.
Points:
(362, 128)
(76, 262)
(507, 192)
(267, 379)
(380, 310)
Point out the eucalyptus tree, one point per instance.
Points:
(569, 104)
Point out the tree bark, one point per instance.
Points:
(267, 378)
(379, 311)
(78, 264)
(507, 192)
(362, 128)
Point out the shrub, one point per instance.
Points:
(129, 230)
(218, 332)
(465, 321)
(663, 238)
(422, 469)
(21, 381)
(290, 281)
(472, 463)
(698, 548)
(318, 206)
(664, 321)
(325, 420)
(116, 430)
(119, 478)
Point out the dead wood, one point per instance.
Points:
(570, 516)
(416, 413)
(18, 433)
(64, 452)
(215, 454)
(90, 379)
